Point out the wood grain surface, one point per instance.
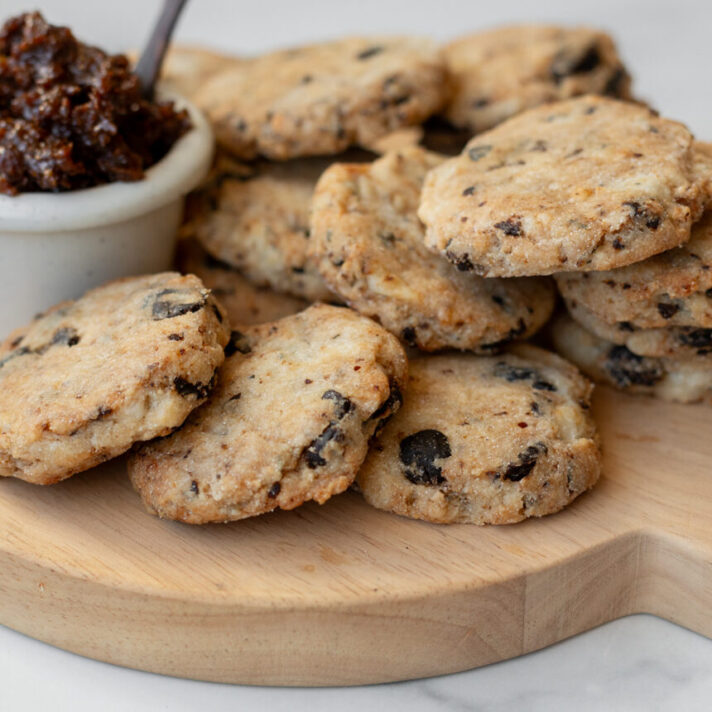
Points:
(344, 594)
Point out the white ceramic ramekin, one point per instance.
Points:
(55, 246)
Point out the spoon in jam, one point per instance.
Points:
(149, 64)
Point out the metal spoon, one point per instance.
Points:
(149, 65)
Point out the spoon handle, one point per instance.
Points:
(149, 65)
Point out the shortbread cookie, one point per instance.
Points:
(586, 184)
(485, 440)
(127, 362)
(504, 71)
(670, 289)
(367, 242)
(244, 303)
(685, 380)
(256, 218)
(322, 98)
(290, 420)
(672, 341)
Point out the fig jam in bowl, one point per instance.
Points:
(55, 246)
(83, 197)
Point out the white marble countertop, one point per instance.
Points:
(638, 663)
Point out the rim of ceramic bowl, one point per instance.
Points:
(175, 175)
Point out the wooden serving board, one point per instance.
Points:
(344, 594)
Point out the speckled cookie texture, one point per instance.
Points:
(501, 72)
(672, 341)
(244, 303)
(125, 363)
(322, 98)
(485, 440)
(661, 306)
(367, 242)
(685, 380)
(670, 289)
(586, 184)
(297, 401)
(256, 218)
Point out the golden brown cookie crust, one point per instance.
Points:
(586, 184)
(367, 242)
(504, 71)
(670, 289)
(255, 217)
(320, 99)
(297, 401)
(125, 363)
(485, 440)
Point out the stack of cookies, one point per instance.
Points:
(609, 198)
(647, 327)
(378, 234)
